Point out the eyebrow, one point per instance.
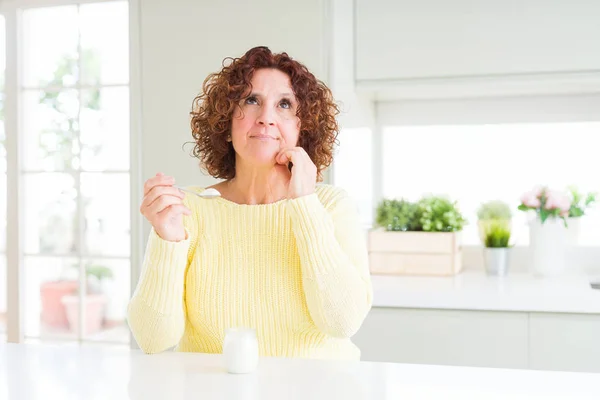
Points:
(286, 94)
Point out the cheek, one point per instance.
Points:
(240, 124)
(291, 133)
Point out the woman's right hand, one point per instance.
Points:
(163, 207)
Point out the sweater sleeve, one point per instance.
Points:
(334, 262)
(156, 313)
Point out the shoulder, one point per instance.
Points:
(196, 205)
(189, 199)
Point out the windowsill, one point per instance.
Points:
(474, 290)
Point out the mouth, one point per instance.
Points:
(261, 136)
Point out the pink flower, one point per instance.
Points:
(557, 201)
(532, 198)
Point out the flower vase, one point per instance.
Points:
(548, 243)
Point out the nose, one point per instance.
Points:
(266, 117)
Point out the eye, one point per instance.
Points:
(285, 103)
(251, 100)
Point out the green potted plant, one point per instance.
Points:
(491, 212)
(397, 215)
(497, 234)
(417, 238)
(438, 214)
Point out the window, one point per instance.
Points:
(476, 163)
(353, 170)
(74, 127)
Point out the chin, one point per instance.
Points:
(263, 158)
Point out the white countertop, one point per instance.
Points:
(473, 290)
(90, 373)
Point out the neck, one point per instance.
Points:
(254, 185)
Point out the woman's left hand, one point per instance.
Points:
(303, 179)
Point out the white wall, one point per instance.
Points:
(525, 109)
(408, 39)
(182, 41)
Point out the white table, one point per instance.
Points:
(74, 372)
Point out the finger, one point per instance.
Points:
(161, 203)
(175, 210)
(158, 191)
(282, 157)
(159, 180)
(295, 155)
(286, 155)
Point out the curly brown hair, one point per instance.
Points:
(212, 110)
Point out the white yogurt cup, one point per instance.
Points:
(240, 349)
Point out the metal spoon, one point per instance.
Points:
(209, 193)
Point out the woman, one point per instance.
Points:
(276, 252)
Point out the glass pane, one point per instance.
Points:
(105, 129)
(50, 37)
(353, 169)
(50, 209)
(105, 52)
(477, 163)
(108, 296)
(50, 127)
(107, 210)
(2, 293)
(51, 286)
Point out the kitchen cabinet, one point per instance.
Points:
(530, 340)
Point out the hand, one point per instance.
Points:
(163, 207)
(303, 180)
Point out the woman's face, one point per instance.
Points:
(266, 121)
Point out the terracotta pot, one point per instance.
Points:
(94, 312)
(51, 293)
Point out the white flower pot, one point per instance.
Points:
(548, 244)
(496, 260)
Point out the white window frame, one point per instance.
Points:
(12, 10)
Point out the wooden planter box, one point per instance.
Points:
(415, 253)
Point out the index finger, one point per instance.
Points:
(284, 155)
(158, 180)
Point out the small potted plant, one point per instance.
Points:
(417, 238)
(497, 245)
(549, 209)
(439, 214)
(493, 212)
(397, 215)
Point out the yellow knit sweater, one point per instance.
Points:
(295, 270)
